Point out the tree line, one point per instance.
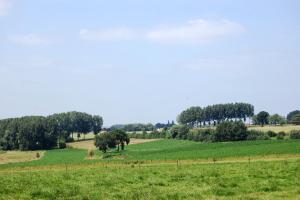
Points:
(214, 114)
(39, 132)
(134, 127)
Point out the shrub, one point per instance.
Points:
(62, 145)
(230, 131)
(272, 134)
(179, 131)
(295, 134)
(37, 155)
(91, 153)
(257, 135)
(280, 135)
(201, 135)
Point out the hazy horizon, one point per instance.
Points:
(135, 61)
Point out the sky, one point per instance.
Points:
(145, 61)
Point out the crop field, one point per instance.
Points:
(284, 128)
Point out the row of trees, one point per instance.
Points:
(38, 132)
(110, 140)
(133, 127)
(263, 118)
(214, 114)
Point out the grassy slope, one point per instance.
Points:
(172, 150)
(260, 180)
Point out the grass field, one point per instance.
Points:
(258, 180)
(204, 171)
(170, 150)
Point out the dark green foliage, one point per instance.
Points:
(121, 138)
(97, 124)
(179, 131)
(149, 135)
(271, 133)
(110, 140)
(295, 134)
(291, 114)
(263, 118)
(37, 132)
(257, 135)
(277, 120)
(133, 127)
(197, 116)
(105, 141)
(202, 135)
(231, 131)
(295, 119)
(280, 135)
(62, 145)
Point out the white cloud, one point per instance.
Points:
(29, 39)
(199, 30)
(4, 7)
(107, 35)
(194, 31)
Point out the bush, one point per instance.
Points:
(272, 134)
(91, 153)
(280, 135)
(201, 135)
(180, 131)
(295, 134)
(257, 135)
(62, 145)
(230, 131)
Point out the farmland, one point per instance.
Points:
(257, 180)
(163, 169)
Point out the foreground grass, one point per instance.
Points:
(260, 180)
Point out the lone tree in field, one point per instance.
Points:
(121, 138)
(105, 141)
(116, 138)
(263, 118)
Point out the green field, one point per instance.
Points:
(272, 173)
(170, 150)
(258, 180)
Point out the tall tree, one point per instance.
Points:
(263, 118)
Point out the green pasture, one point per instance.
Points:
(168, 150)
(259, 180)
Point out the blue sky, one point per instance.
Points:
(146, 61)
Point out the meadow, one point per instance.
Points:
(257, 180)
(163, 169)
(170, 150)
